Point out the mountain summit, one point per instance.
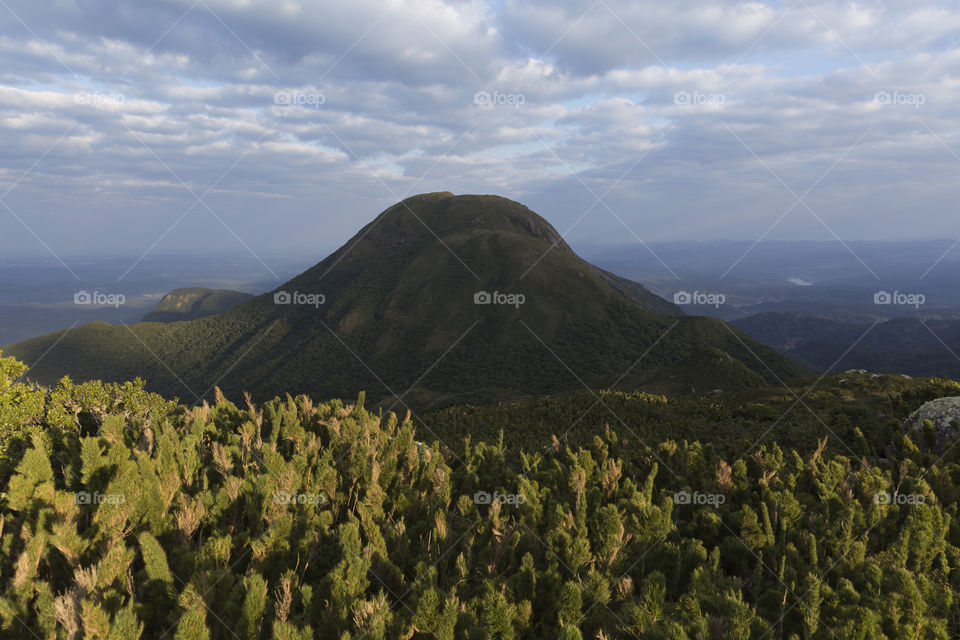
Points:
(441, 298)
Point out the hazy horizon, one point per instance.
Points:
(323, 250)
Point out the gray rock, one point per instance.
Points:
(944, 413)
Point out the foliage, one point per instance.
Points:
(299, 520)
(28, 410)
(861, 414)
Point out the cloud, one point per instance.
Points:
(697, 119)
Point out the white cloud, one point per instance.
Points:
(645, 98)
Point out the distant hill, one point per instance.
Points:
(192, 303)
(785, 331)
(919, 347)
(441, 298)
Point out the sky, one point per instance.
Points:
(268, 127)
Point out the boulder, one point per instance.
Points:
(943, 413)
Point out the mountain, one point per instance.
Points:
(916, 346)
(192, 303)
(441, 298)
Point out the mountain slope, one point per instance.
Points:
(393, 311)
(191, 303)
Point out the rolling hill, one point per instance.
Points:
(441, 298)
(192, 303)
(918, 346)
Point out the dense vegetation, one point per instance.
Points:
(124, 516)
(862, 413)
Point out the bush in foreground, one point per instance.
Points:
(294, 520)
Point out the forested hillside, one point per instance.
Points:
(125, 516)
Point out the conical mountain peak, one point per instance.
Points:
(441, 297)
(440, 214)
